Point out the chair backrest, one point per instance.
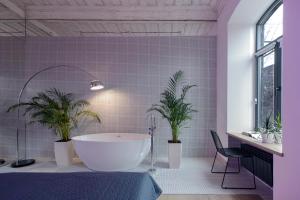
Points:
(217, 142)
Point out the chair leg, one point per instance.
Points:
(248, 188)
(222, 185)
(239, 165)
(213, 165)
(253, 173)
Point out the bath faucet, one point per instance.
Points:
(151, 133)
(152, 125)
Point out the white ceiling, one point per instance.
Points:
(249, 11)
(110, 17)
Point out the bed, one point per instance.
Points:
(78, 186)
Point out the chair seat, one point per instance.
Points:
(236, 153)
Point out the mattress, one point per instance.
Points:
(78, 186)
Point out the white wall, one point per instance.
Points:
(241, 64)
(222, 41)
(241, 71)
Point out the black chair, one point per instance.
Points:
(229, 153)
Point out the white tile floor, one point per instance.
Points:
(193, 177)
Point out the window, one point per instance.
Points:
(268, 55)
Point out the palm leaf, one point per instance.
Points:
(173, 82)
(80, 104)
(185, 90)
(88, 113)
(15, 106)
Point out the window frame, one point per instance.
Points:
(262, 50)
(261, 22)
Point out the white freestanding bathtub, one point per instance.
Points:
(112, 151)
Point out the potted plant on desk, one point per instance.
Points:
(267, 132)
(61, 112)
(174, 108)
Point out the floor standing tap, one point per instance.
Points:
(151, 133)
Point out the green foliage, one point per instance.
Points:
(268, 124)
(278, 123)
(56, 110)
(173, 107)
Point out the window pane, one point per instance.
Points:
(266, 87)
(273, 28)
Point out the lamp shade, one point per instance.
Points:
(96, 85)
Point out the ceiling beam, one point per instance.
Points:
(43, 27)
(18, 11)
(6, 14)
(13, 7)
(173, 13)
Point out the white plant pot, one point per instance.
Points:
(278, 138)
(264, 138)
(64, 153)
(174, 155)
(267, 138)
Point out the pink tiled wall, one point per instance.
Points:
(134, 70)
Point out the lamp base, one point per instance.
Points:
(152, 170)
(22, 163)
(2, 162)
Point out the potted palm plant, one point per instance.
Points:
(176, 111)
(61, 112)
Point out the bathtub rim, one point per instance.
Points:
(79, 138)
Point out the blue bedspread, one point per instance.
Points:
(78, 186)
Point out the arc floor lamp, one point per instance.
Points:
(95, 84)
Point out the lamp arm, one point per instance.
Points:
(47, 69)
